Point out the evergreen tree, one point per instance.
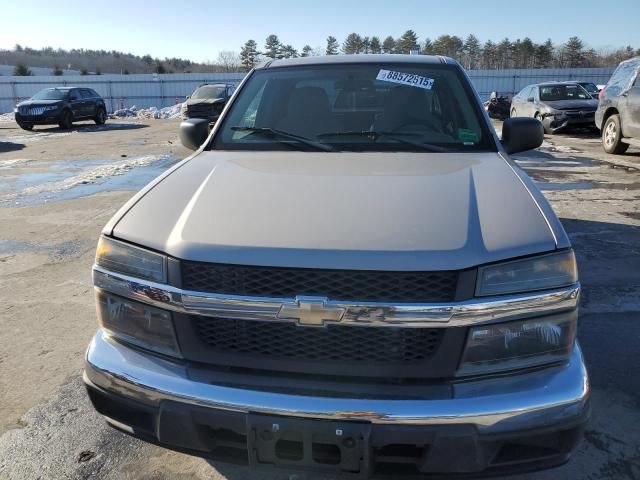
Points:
(21, 70)
(307, 51)
(84, 71)
(273, 47)
(489, 55)
(503, 51)
(160, 69)
(374, 45)
(471, 51)
(389, 45)
(332, 46)
(366, 45)
(447, 45)
(353, 44)
(249, 54)
(57, 71)
(544, 54)
(427, 47)
(289, 52)
(573, 53)
(407, 42)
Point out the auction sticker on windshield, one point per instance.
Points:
(405, 79)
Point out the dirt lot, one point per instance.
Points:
(57, 190)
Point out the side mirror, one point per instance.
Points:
(521, 133)
(193, 132)
(530, 99)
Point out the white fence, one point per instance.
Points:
(142, 90)
(147, 90)
(509, 82)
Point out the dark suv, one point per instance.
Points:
(61, 105)
(207, 101)
(618, 114)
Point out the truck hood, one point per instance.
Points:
(204, 101)
(29, 103)
(379, 211)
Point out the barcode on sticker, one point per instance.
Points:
(405, 79)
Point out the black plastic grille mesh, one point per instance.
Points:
(333, 343)
(363, 285)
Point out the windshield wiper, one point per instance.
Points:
(397, 136)
(272, 132)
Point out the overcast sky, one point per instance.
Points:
(198, 30)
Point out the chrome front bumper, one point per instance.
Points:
(517, 402)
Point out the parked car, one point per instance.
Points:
(207, 101)
(62, 106)
(558, 105)
(590, 87)
(618, 114)
(348, 275)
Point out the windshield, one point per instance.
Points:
(550, 93)
(357, 107)
(50, 94)
(590, 87)
(209, 91)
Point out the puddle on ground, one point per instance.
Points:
(72, 179)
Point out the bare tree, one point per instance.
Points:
(229, 61)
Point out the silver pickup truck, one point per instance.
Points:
(348, 275)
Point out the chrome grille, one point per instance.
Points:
(580, 113)
(284, 282)
(31, 110)
(204, 110)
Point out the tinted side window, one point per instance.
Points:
(74, 95)
(86, 93)
(93, 93)
(532, 92)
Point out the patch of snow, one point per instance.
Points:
(88, 176)
(15, 162)
(550, 147)
(7, 117)
(151, 112)
(92, 174)
(34, 136)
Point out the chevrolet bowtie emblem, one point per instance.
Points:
(310, 311)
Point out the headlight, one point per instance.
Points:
(15, 109)
(137, 323)
(537, 273)
(124, 258)
(520, 344)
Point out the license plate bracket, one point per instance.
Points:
(302, 443)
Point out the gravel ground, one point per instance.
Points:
(57, 189)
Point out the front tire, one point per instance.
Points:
(101, 117)
(66, 120)
(612, 136)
